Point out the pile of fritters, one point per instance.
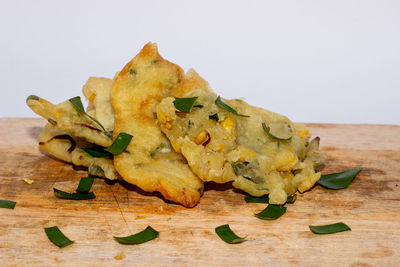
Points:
(171, 151)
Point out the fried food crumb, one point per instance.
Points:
(119, 256)
(28, 181)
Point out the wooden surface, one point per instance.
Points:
(370, 206)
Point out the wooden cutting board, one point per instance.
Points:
(370, 206)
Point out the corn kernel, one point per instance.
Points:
(228, 124)
(168, 126)
(202, 137)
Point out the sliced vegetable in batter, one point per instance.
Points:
(271, 212)
(185, 104)
(77, 103)
(223, 105)
(144, 236)
(73, 196)
(278, 131)
(7, 204)
(227, 235)
(338, 180)
(329, 228)
(57, 237)
(85, 184)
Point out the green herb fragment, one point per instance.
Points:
(291, 199)
(7, 204)
(32, 97)
(214, 117)
(271, 212)
(120, 144)
(278, 131)
(146, 235)
(97, 152)
(338, 180)
(221, 104)
(52, 122)
(77, 103)
(85, 184)
(73, 196)
(250, 199)
(57, 237)
(329, 228)
(185, 104)
(227, 235)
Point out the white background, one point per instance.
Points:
(314, 61)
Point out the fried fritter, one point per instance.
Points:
(221, 146)
(67, 118)
(149, 162)
(62, 145)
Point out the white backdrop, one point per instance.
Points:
(314, 61)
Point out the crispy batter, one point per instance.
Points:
(97, 92)
(221, 146)
(69, 119)
(62, 145)
(149, 161)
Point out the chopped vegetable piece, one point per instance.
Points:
(52, 122)
(272, 212)
(185, 104)
(85, 184)
(97, 152)
(27, 180)
(73, 196)
(338, 180)
(214, 117)
(226, 234)
(329, 228)
(278, 131)
(7, 204)
(291, 199)
(77, 103)
(146, 235)
(57, 237)
(32, 97)
(221, 104)
(120, 143)
(250, 199)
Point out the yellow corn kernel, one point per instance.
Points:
(168, 125)
(57, 114)
(285, 159)
(202, 137)
(228, 124)
(303, 133)
(221, 147)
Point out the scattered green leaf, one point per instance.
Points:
(329, 228)
(291, 199)
(7, 204)
(222, 105)
(85, 184)
(338, 180)
(97, 152)
(185, 104)
(250, 199)
(146, 235)
(227, 235)
(77, 103)
(73, 196)
(120, 143)
(57, 237)
(271, 212)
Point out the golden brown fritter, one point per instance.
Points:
(149, 162)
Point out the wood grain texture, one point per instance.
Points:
(370, 206)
